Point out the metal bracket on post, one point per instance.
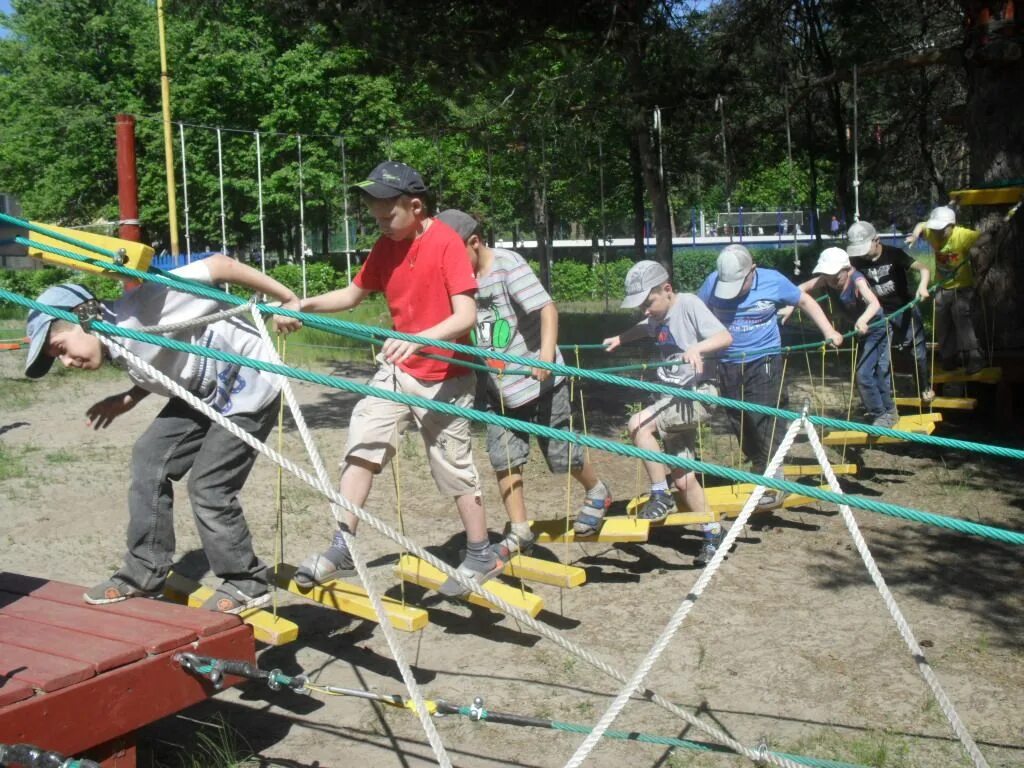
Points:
(87, 313)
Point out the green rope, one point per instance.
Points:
(538, 430)
(346, 328)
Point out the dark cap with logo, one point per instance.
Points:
(391, 179)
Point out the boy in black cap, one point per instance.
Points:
(420, 266)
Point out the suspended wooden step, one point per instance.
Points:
(813, 470)
(984, 376)
(267, 628)
(922, 423)
(545, 571)
(725, 501)
(416, 571)
(614, 530)
(941, 403)
(352, 599)
(134, 255)
(994, 196)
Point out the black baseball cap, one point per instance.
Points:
(391, 179)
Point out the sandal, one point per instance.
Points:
(588, 523)
(230, 599)
(453, 589)
(114, 591)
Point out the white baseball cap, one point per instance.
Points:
(734, 264)
(642, 278)
(941, 217)
(831, 262)
(859, 238)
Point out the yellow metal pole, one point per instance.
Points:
(165, 94)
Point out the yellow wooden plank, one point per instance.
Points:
(265, 626)
(953, 403)
(545, 571)
(614, 530)
(352, 599)
(417, 571)
(923, 423)
(725, 501)
(137, 255)
(998, 196)
(812, 470)
(984, 376)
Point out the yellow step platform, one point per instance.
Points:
(813, 470)
(615, 530)
(923, 423)
(136, 255)
(951, 403)
(414, 570)
(545, 572)
(996, 196)
(725, 501)
(352, 598)
(984, 376)
(265, 626)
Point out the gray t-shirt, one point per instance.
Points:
(687, 322)
(226, 387)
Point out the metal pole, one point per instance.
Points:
(344, 197)
(127, 180)
(792, 189)
(856, 168)
(184, 189)
(604, 226)
(720, 108)
(220, 182)
(165, 97)
(302, 222)
(259, 194)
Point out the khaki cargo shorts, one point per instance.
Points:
(677, 419)
(376, 425)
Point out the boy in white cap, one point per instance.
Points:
(851, 292)
(514, 314)
(181, 440)
(886, 269)
(746, 298)
(954, 327)
(420, 266)
(684, 330)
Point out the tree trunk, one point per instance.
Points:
(651, 169)
(639, 220)
(540, 227)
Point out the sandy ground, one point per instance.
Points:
(791, 643)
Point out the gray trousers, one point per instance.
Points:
(954, 327)
(182, 441)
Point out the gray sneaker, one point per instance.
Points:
(709, 547)
(518, 545)
(887, 420)
(330, 564)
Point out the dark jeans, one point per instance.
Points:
(874, 373)
(907, 330)
(954, 328)
(181, 439)
(757, 381)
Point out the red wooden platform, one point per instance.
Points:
(80, 680)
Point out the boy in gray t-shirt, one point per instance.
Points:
(516, 315)
(684, 330)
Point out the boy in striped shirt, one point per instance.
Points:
(517, 316)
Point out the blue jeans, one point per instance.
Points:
(874, 373)
(908, 331)
(182, 441)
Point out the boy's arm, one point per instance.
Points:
(716, 342)
(813, 310)
(913, 236)
(873, 308)
(925, 278)
(548, 339)
(458, 323)
(335, 301)
(638, 331)
(226, 270)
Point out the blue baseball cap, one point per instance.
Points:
(37, 328)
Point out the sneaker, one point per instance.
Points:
(591, 513)
(114, 591)
(659, 506)
(887, 420)
(975, 364)
(709, 547)
(928, 396)
(333, 562)
(453, 589)
(515, 544)
(771, 499)
(230, 599)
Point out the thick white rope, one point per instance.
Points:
(890, 602)
(361, 568)
(184, 189)
(408, 544)
(224, 314)
(648, 662)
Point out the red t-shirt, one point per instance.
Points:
(418, 278)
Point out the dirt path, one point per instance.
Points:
(791, 642)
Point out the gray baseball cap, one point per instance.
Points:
(392, 179)
(463, 224)
(642, 278)
(859, 238)
(734, 264)
(37, 328)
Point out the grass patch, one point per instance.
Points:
(11, 464)
(216, 744)
(61, 457)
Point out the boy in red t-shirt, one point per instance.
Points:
(420, 266)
